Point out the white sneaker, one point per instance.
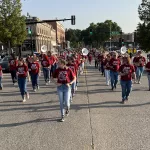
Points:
(24, 99)
(27, 95)
(34, 90)
(76, 88)
(49, 82)
(46, 83)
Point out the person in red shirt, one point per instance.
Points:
(22, 73)
(96, 60)
(114, 65)
(71, 64)
(13, 62)
(107, 69)
(46, 68)
(35, 71)
(102, 59)
(127, 72)
(140, 61)
(135, 65)
(147, 67)
(65, 78)
(90, 58)
(1, 76)
(52, 61)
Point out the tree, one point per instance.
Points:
(143, 29)
(12, 23)
(95, 35)
(143, 36)
(144, 11)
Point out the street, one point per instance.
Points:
(97, 119)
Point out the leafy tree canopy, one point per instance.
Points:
(12, 23)
(100, 32)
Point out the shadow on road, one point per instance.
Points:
(29, 122)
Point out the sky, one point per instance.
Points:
(123, 12)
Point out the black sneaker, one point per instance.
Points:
(62, 119)
(67, 112)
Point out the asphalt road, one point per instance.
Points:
(97, 120)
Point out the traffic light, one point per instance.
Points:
(29, 31)
(122, 41)
(91, 32)
(73, 20)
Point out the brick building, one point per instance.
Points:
(42, 34)
(60, 33)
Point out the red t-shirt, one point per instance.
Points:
(128, 70)
(64, 76)
(115, 64)
(34, 68)
(22, 71)
(62, 57)
(52, 60)
(135, 60)
(73, 67)
(13, 64)
(45, 63)
(148, 66)
(106, 64)
(141, 60)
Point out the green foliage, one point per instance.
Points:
(100, 33)
(12, 23)
(143, 36)
(144, 11)
(143, 29)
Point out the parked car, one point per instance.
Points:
(4, 63)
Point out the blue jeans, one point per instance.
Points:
(114, 78)
(139, 72)
(64, 93)
(22, 82)
(126, 89)
(0, 82)
(46, 73)
(35, 80)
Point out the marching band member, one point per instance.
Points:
(107, 69)
(140, 61)
(13, 62)
(46, 65)
(22, 72)
(35, 72)
(65, 78)
(127, 72)
(147, 67)
(114, 65)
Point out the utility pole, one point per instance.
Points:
(110, 36)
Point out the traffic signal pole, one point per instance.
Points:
(73, 18)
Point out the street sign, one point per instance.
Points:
(115, 33)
